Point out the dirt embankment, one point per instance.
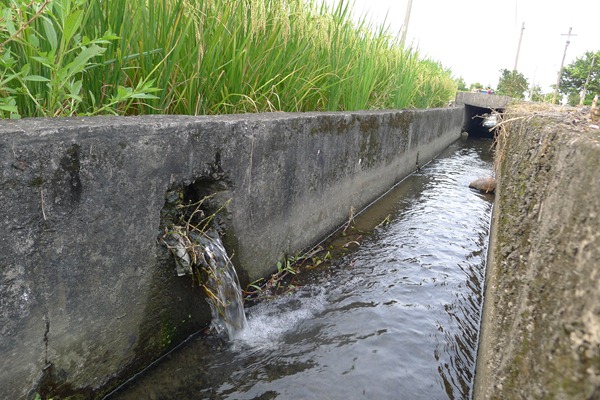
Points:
(540, 334)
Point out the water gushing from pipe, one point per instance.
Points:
(225, 300)
(203, 254)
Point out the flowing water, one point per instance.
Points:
(397, 318)
(226, 303)
(202, 253)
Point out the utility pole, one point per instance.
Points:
(587, 81)
(406, 21)
(519, 47)
(568, 35)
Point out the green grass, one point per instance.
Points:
(205, 57)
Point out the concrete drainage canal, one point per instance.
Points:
(388, 308)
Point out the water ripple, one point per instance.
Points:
(397, 319)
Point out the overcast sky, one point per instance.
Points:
(477, 38)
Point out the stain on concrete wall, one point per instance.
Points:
(89, 296)
(540, 334)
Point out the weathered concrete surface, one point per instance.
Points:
(483, 100)
(89, 295)
(540, 335)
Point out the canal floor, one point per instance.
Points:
(396, 317)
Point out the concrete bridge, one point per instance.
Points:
(477, 105)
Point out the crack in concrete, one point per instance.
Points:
(46, 340)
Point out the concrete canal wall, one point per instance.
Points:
(540, 335)
(90, 296)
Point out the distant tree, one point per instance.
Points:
(536, 94)
(573, 99)
(461, 84)
(574, 76)
(549, 97)
(476, 85)
(512, 83)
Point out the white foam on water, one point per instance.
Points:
(268, 321)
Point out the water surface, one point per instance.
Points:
(397, 318)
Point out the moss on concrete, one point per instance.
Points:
(541, 326)
(82, 254)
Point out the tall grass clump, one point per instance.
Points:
(69, 57)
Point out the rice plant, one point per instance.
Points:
(75, 57)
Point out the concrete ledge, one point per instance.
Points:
(540, 335)
(483, 100)
(90, 296)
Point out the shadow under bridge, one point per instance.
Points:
(480, 112)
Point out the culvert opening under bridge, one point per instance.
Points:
(477, 121)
